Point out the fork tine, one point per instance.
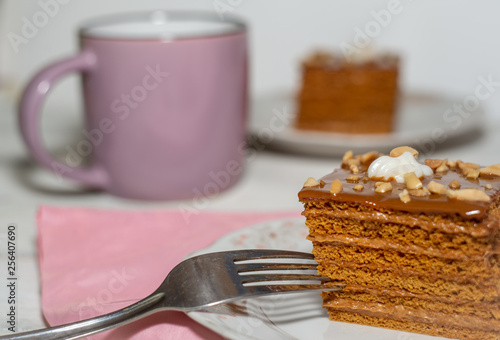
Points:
(282, 277)
(257, 254)
(249, 267)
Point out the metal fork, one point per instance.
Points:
(203, 282)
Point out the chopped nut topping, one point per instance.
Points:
(463, 165)
(336, 187)
(454, 184)
(311, 182)
(433, 163)
(353, 161)
(381, 187)
(412, 182)
(396, 152)
(442, 168)
(488, 186)
(473, 174)
(469, 195)
(321, 183)
(419, 192)
(365, 179)
(492, 170)
(353, 164)
(368, 157)
(404, 196)
(348, 155)
(358, 187)
(466, 170)
(352, 179)
(451, 164)
(437, 188)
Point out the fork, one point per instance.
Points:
(204, 282)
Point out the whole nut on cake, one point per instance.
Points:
(473, 174)
(437, 188)
(348, 155)
(433, 163)
(382, 187)
(411, 180)
(311, 182)
(492, 170)
(396, 152)
(404, 196)
(451, 164)
(454, 184)
(469, 195)
(336, 187)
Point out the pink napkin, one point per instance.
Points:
(96, 261)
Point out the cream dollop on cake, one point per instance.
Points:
(388, 168)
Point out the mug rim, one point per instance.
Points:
(238, 24)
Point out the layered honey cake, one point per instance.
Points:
(416, 244)
(348, 96)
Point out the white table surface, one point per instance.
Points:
(24, 186)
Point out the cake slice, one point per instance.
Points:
(348, 96)
(417, 245)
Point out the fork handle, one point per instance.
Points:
(98, 324)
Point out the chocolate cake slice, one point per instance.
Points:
(417, 245)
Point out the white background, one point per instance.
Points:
(446, 45)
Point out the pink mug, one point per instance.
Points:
(165, 97)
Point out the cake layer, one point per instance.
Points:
(482, 272)
(413, 284)
(449, 224)
(368, 300)
(402, 238)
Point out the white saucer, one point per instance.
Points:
(424, 122)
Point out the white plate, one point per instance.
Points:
(286, 316)
(422, 123)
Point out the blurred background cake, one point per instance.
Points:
(355, 95)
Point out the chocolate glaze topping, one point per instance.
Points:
(429, 204)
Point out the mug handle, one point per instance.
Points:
(29, 119)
